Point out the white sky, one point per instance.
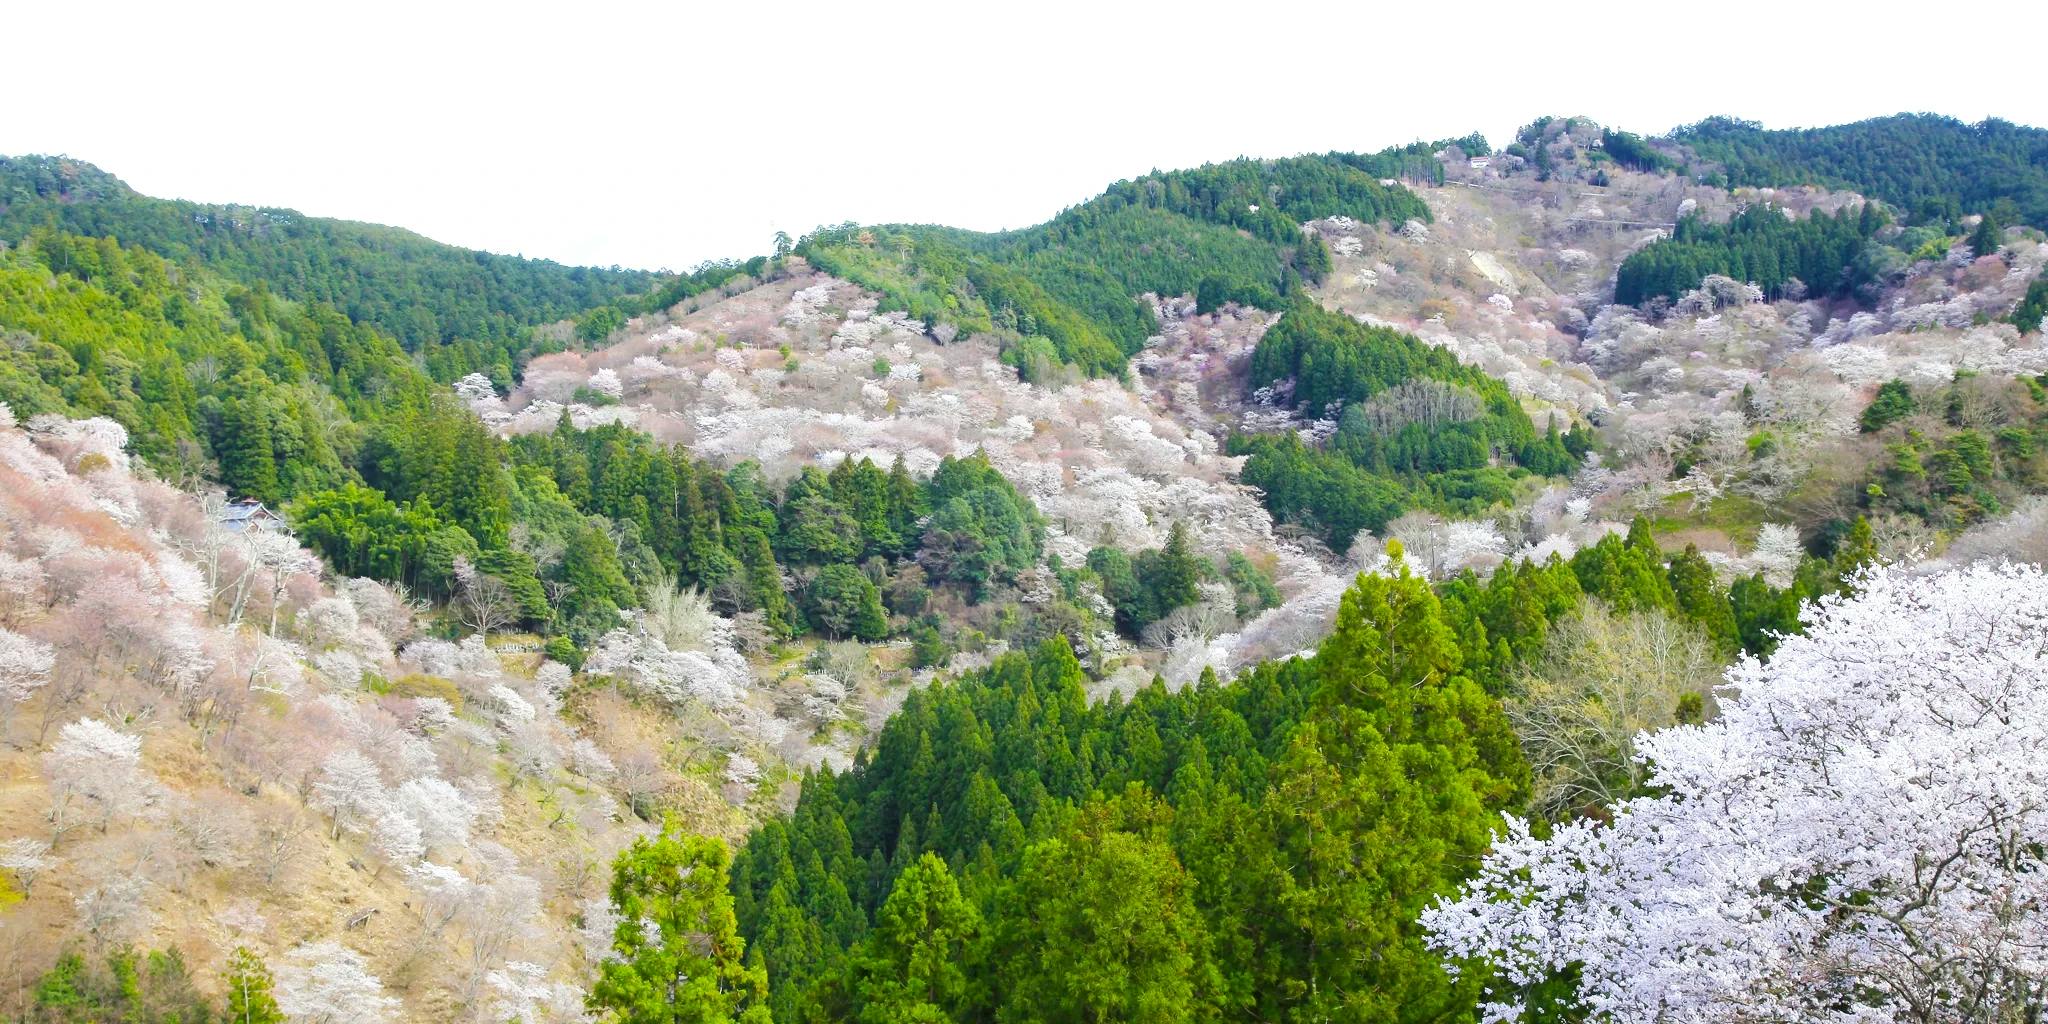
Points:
(662, 134)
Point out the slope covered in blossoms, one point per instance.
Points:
(203, 744)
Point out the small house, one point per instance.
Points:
(250, 514)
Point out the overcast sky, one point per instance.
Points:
(660, 135)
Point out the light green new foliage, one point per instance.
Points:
(248, 990)
(1383, 803)
(1101, 925)
(688, 967)
(912, 970)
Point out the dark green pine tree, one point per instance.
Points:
(1701, 599)
(1988, 238)
(906, 506)
(248, 464)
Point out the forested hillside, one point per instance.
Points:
(1823, 254)
(1064, 292)
(1344, 587)
(1413, 427)
(1007, 850)
(1931, 167)
(428, 295)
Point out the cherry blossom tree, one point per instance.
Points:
(605, 381)
(26, 857)
(521, 991)
(328, 983)
(396, 837)
(444, 814)
(482, 601)
(92, 763)
(113, 912)
(1857, 838)
(349, 788)
(25, 664)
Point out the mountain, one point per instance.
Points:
(1224, 232)
(1202, 605)
(1927, 165)
(425, 294)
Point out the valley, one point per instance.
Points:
(1198, 606)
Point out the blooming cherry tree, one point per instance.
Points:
(328, 983)
(25, 665)
(92, 763)
(349, 788)
(1858, 837)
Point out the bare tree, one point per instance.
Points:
(482, 601)
(1602, 679)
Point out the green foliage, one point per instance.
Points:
(564, 650)
(1063, 293)
(1100, 924)
(1759, 246)
(1335, 359)
(2027, 316)
(1257, 850)
(982, 531)
(1933, 167)
(1893, 402)
(150, 988)
(1386, 798)
(690, 966)
(912, 967)
(1253, 586)
(248, 986)
(845, 603)
(1319, 490)
(1700, 599)
(362, 533)
(1416, 427)
(1958, 453)
(195, 368)
(1144, 589)
(1632, 152)
(459, 308)
(731, 533)
(928, 648)
(1178, 857)
(1988, 238)
(598, 324)
(709, 276)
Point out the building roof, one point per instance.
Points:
(237, 515)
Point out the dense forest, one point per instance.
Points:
(1931, 167)
(465, 310)
(1414, 427)
(606, 516)
(1761, 246)
(1064, 292)
(390, 477)
(1007, 850)
(1955, 453)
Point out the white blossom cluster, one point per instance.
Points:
(1857, 837)
(713, 672)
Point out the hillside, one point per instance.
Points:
(1204, 605)
(425, 294)
(1926, 165)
